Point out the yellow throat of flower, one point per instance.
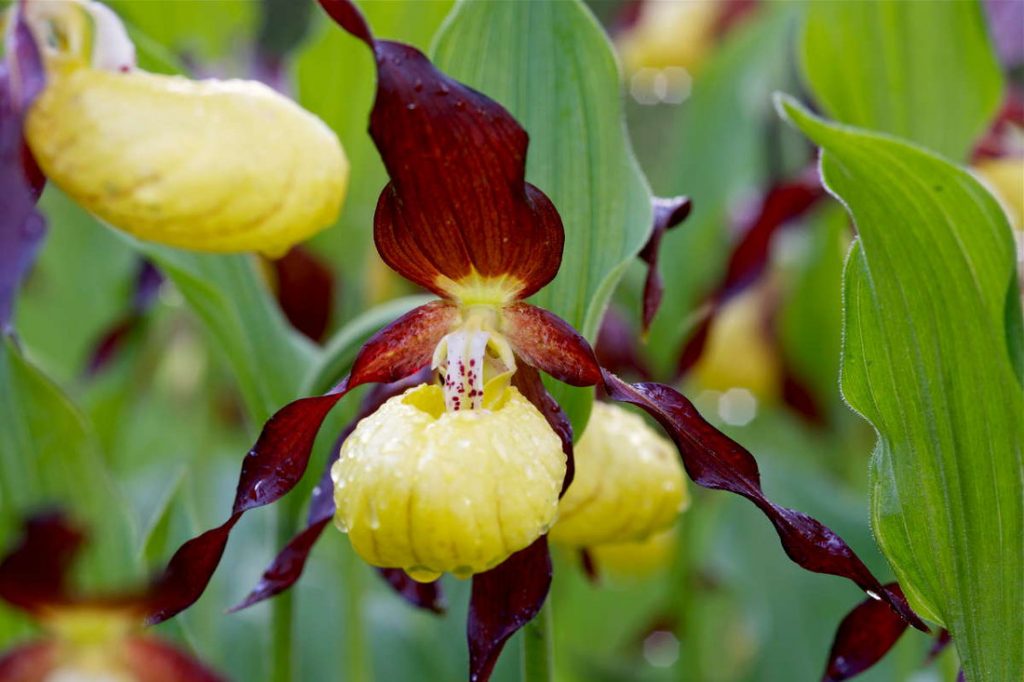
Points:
(89, 640)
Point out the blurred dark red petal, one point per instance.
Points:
(31, 662)
(943, 640)
(589, 566)
(34, 573)
(799, 397)
(549, 343)
(187, 573)
(694, 346)
(405, 346)
(713, 460)
(305, 291)
(148, 280)
(150, 660)
(668, 213)
(22, 227)
(864, 636)
(458, 203)
(529, 383)
(617, 349)
(503, 600)
(286, 568)
(427, 596)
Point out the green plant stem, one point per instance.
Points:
(357, 664)
(282, 610)
(539, 647)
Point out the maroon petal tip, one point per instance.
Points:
(668, 213)
(426, 596)
(864, 636)
(34, 573)
(503, 600)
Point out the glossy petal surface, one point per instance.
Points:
(863, 638)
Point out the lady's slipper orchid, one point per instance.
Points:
(459, 219)
(86, 639)
(628, 485)
(634, 561)
(206, 165)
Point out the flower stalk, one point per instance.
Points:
(539, 647)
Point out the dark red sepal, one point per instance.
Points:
(505, 599)
(617, 349)
(148, 280)
(188, 573)
(713, 460)
(287, 567)
(942, 641)
(864, 636)
(34, 574)
(549, 343)
(427, 596)
(668, 213)
(150, 660)
(589, 566)
(458, 202)
(22, 227)
(406, 345)
(31, 662)
(530, 385)
(305, 291)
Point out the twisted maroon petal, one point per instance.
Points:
(22, 228)
(505, 599)
(287, 567)
(458, 204)
(549, 343)
(864, 637)
(668, 213)
(715, 461)
(34, 574)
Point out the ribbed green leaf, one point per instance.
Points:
(920, 70)
(932, 359)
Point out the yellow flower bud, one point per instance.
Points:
(628, 484)
(635, 560)
(670, 34)
(738, 353)
(431, 491)
(205, 165)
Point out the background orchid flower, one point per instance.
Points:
(85, 638)
(459, 219)
(207, 165)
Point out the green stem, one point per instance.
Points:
(357, 664)
(282, 611)
(539, 647)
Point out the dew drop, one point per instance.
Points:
(410, 106)
(418, 85)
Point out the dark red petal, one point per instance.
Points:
(148, 280)
(668, 213)
(305, 291)
(458, 202)
(530, 385)
(28, 663)
(713, 460)
(188, 573)
(780, 205)
(589, 566)
(21, 227)
(550, 344)
(34, 574)
(505, 599)
(943, 640)
(427, 596)
(150, 660)
(617, 349)
(406, 345)
(287, 566)
(864, 637)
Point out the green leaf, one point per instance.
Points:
(203, 31)
(551, 66)
(930, 297)
(227, 293)
(49, 458)
(922, 70)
